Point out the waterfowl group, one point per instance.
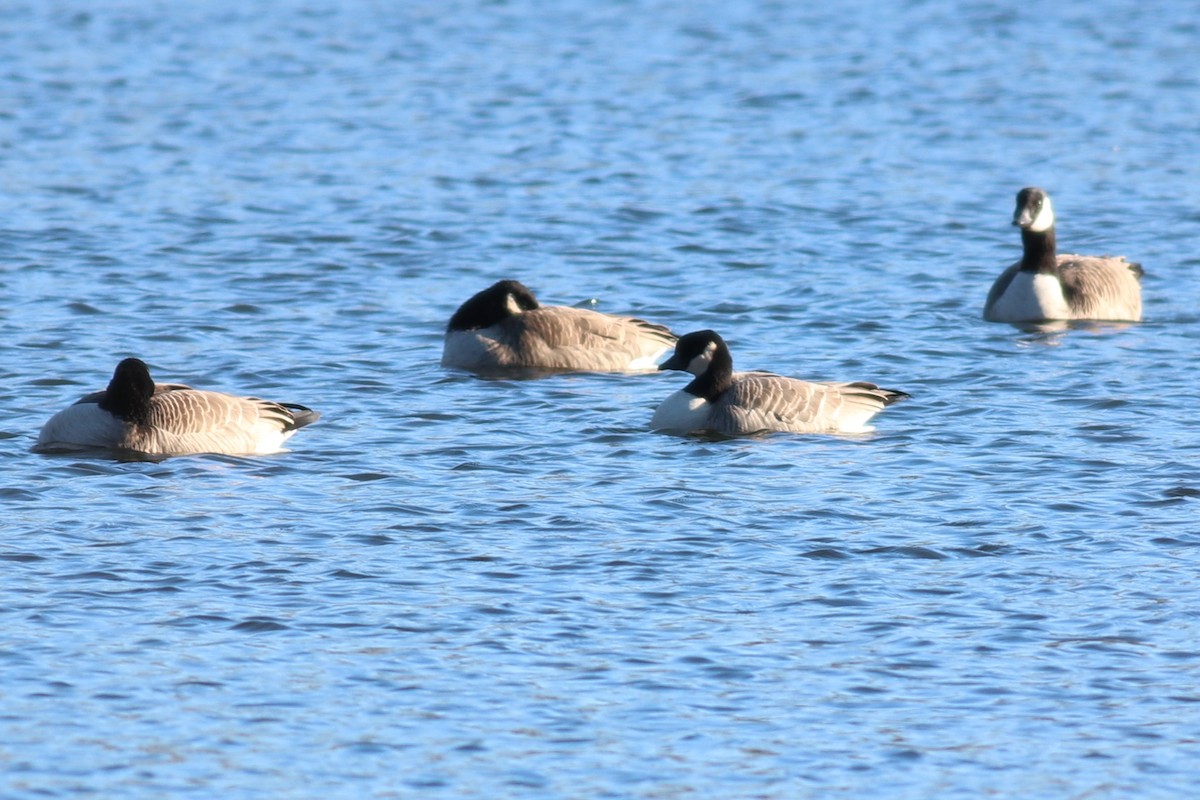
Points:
(505, 330)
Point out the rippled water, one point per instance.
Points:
(456, 587)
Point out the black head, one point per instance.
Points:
(705, 355)
(493, 305)
(129, 392)
(695, 351)
(1033, 211)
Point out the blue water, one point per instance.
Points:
(454, 587)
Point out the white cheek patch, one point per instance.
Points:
(1044, 220)
(512, 305)
(699, 364)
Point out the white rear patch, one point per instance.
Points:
(1031, 297)
(681, 413)
(650, 361)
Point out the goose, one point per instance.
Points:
(136, 414)
(722, 401)
(504, 328)
(1043, 286)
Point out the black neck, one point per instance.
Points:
(478, 312)
(1040, 253)
(716, 379)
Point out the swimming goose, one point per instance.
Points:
(504, 328)
(731, 403)
(135, 413)
(1043, 286)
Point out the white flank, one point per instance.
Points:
(260, 438)
(854, 419)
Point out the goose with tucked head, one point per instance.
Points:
(136, 414)
(722, 401)
(504, 329)
(1044, 286)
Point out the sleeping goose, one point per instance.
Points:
(504, 328)
(1043, 286)
(731, 403)
(135, 413)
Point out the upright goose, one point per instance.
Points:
(722, 401)
(135, 413)
(1044, 286)
(503, 328)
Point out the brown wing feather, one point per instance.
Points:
(766, 402)
(187, 420)
(575, 338)
(1101, 287)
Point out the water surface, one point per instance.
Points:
(454, 587)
